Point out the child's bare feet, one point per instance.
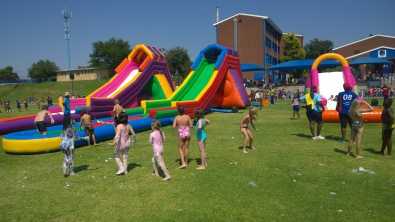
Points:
(166, 178)
(201, 167)
(182, 166)
(245, 151)
(358, 157)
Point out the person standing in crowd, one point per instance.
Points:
(295, 107)
(49, 101)
(66, 111)
(18, 105)
(183, 123)
(385, 91)
(344, 101)
(387, 120)
(316, 114)
(355, 113)
(25, 105)
(307, 98)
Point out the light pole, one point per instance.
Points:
(67, 36)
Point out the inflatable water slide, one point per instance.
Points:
(330, 84)
(215, 80)
(142, 75)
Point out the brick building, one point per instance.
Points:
(374, 46)
(256, 38)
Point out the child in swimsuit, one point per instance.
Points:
(201, 136)
(245, 129)
(183, 123)
(157, 138)
(67, 146)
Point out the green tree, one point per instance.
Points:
(43, 70)
(316, 47)
(292, 49)
(8, 74)
(178, 61)
(109, 54)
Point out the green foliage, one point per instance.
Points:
(292, 48)
(43, 70)
(109, 54)
(8, 74)
(178, 61)
(316, 47)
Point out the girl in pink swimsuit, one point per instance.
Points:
(157, 138)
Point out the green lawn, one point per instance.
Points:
(288, 178)
(42, 91)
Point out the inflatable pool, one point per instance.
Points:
(30, 141)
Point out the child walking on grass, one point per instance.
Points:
(124, 138)
(157, 139)
(201, 136)
(245, 123)
(355, 114)
(67, 146)
(387, 119)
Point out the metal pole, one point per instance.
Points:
(235, 21)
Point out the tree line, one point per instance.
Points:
(108, 54)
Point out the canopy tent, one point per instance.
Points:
(307, 63)
(251, 67)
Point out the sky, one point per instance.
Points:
(33, 30)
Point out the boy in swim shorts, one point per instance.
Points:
(39, 120)
(183, 123)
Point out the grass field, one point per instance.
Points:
(42, 91)
(288, 178)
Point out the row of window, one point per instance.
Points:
(271, 45)
(270, 60)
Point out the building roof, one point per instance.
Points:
(370, 50)
(250, 15)
(295, 34)
(79, 69)
(369, 37)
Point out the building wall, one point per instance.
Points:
(83, 74)
(365, 45)
(249, 36)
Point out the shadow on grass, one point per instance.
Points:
(131, 166)
(332, 137)
(373, 151)
(302, 135)
(337, 150)
(81, 168)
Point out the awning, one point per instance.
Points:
(307, 63)
(251, 67)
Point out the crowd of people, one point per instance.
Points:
(20, 105)
(350, 108)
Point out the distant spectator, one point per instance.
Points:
(49, 101)
(18, 105)
(387, 119)
(385, 91)
(25, 104)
